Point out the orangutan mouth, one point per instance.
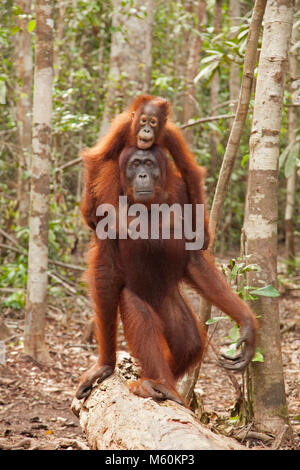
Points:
(143, 143)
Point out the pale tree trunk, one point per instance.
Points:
(23, 54)
(214, 90)
(34, 337)
(266, 386)
(230, 154)
(190, 104)
(292, 133)
(130, 57)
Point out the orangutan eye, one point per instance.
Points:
(143, 120)
(153, 122)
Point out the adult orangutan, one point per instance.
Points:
(142, 277)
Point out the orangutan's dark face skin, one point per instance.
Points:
(142, 175)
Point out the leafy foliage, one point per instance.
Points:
(236, 271)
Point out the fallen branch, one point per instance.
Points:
(113, 418)
(22, 444)
(244, 434)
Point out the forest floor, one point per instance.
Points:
(35, 401)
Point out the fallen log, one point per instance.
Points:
(112, 418)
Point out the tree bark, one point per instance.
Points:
(24, 72)
(34, 341)
(113, 418)
(261, 213)
(130, 57)
(292, 134)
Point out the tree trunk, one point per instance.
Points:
(112, 418)
(130, 57)
(195, 44)
(23, 54)
(261, 213)
(34, 342)
(292, 134)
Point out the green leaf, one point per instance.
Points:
(251, 267)
(234, 333)
(291, 161)
(234, 418)
(31, 26)
(244, 160)
(284, 155)
(15, 29)
(17, 10)
(231, 350)
(259, 357)
(213, 320)
(243, 33)
(207, 71)
(268, 291)
(16, 300)
(236, 269)
(210, 58)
